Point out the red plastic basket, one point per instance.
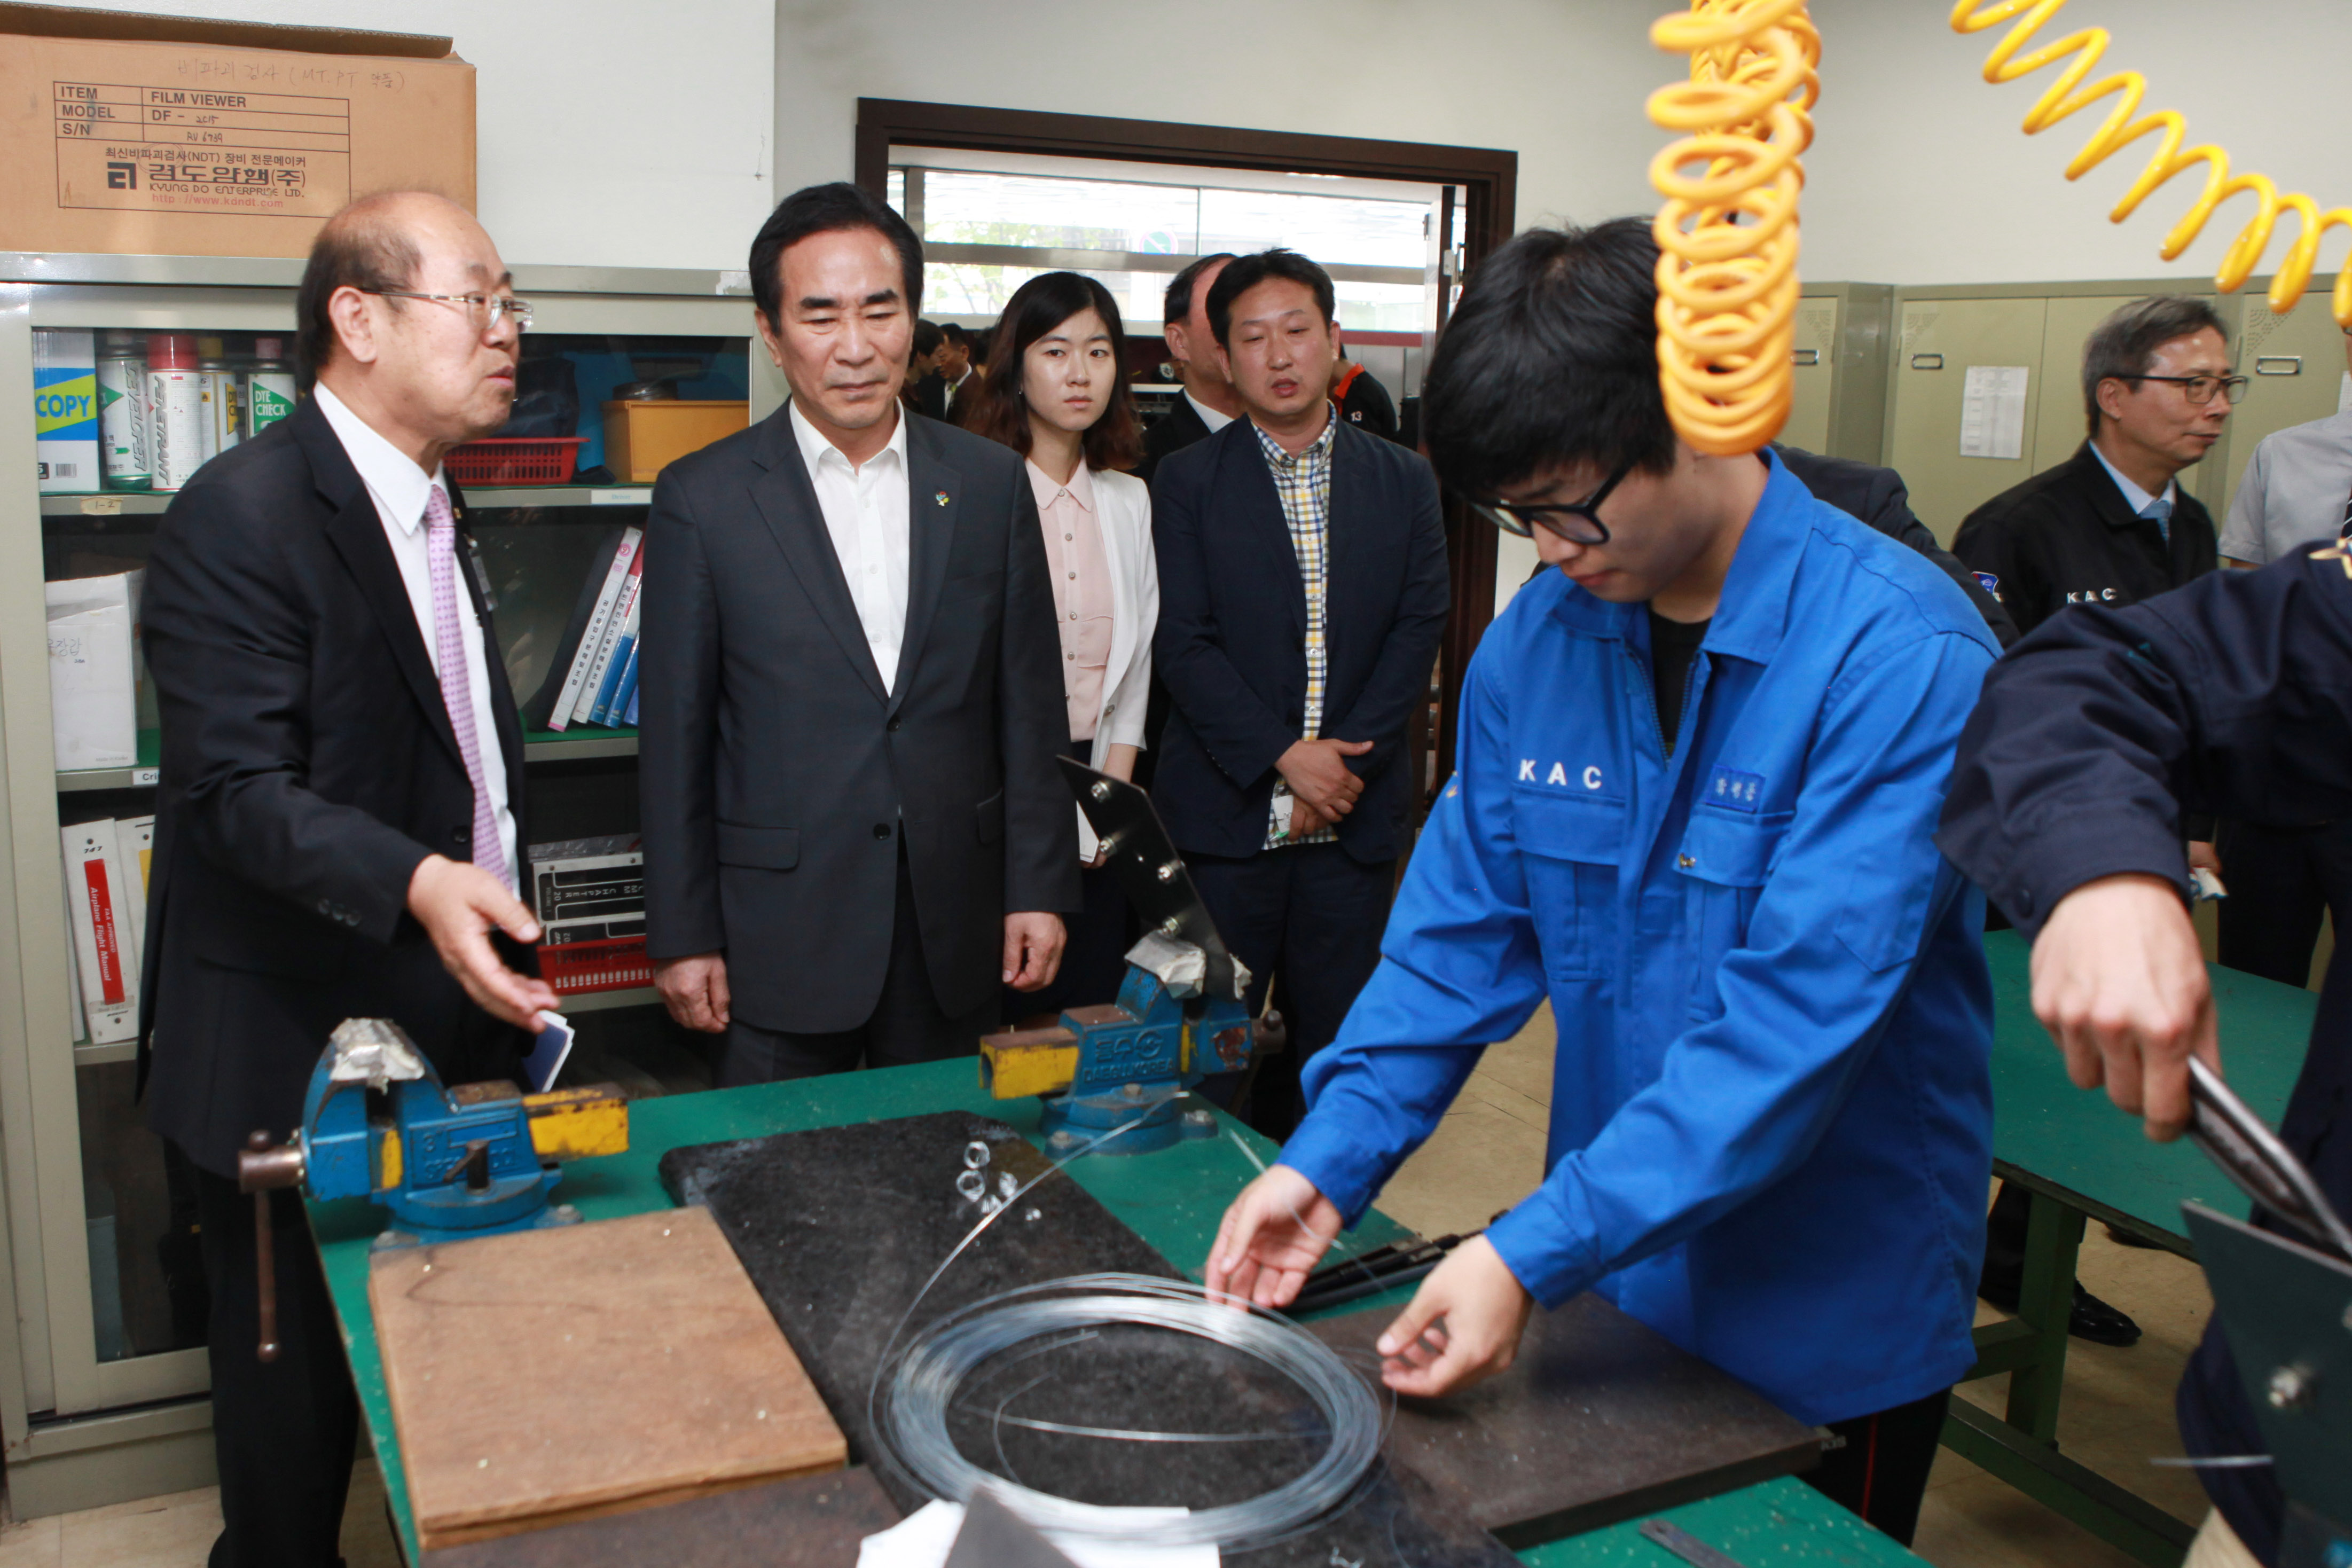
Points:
(515, 460)
(617, 963)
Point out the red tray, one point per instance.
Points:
(616, 964)
(515, 460)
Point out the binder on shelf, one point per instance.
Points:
(624, 696)
(617, 659)
(94, 669)
(98, 897)
(134, 839)
(596, 638)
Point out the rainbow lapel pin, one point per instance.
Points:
(941, 498)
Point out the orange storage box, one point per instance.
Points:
(641, 439)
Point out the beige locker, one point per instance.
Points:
(2296, 366)
(1815, 371)
(1936, 342)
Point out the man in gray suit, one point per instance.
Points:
(855, 827)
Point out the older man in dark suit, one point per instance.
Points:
(340, 812)
(851, 699)
(1303, 589)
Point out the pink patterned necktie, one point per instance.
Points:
(457, 692)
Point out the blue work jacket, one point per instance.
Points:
(1772, 1111)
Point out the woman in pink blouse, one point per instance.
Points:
(1056, 391)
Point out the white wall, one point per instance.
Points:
(607, 133)
(1920, 173)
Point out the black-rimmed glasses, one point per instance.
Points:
(1578, 523)
(2199, 389)
(485, 309)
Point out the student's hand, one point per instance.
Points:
(1463, 1326)
(1033, 950)
(694, 989)
(2203, 857)
(1304, 819)
(1318, 774)
(1271, 1239)
(458, 904)
(2119, 981)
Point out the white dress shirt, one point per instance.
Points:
(2142, 503)
(864, 510)
(1209, 416)
(400, 490)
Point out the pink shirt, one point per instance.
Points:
(1082, 595)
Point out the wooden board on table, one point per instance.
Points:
(553, 1375)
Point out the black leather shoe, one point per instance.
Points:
(2090, 1318)
(2094, 1320)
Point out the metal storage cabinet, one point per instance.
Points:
(99, 1402)
(2041, 326)
(2296, 366)
(1841, 370)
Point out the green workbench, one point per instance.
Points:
(1774, 1524)
(1173, 1199)
(2083, 1159)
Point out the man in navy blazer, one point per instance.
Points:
(1303, 590)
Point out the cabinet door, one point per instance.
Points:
(2298, 365)
(1940, 339)
(1813, 374)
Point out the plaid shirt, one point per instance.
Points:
(1303, 483)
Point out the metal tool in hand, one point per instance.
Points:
(1368, 1273)
(449, 1163)
(1180, 1016)
(2251, 1154)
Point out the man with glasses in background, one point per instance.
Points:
(339, 814)
(2110, 526)
(1699, 774)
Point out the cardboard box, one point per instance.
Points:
(641, 439)
(171, 136)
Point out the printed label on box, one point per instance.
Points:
(178, 149)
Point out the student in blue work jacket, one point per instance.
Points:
(1699, 773)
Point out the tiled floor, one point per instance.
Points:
(1487, 1154)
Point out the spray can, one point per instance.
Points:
(175, 408)
(64, 410)
(268, 387)
(218, 381)
(122, 444)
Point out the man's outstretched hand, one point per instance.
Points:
(1463, 1326)
(2119, 982)
(1271, 1239)
(458, 904)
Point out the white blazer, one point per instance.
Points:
(1123, 508)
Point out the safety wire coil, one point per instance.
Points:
(1727, 233)
(923, 1386)
(2125, 125)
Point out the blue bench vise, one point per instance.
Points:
(450, 1164)
(1123, 1067)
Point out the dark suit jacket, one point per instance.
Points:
(1879, 497)
(928, 396)
(1173, 431)
(777, 771)
(1231, 643)
(2065, 536)
(308, 765)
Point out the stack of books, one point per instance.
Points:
(600, 681)
(590, 897)
(106, 909)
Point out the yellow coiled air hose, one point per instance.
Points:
(1727, 232)
(2120, 129)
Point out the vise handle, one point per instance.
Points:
(262, 1166)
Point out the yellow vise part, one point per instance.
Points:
(1018, 1062)
(386, 1138)
(578, 1123)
